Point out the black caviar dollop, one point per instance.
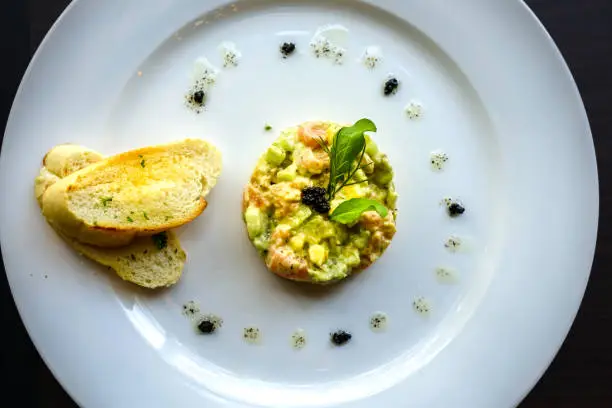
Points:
(341, 337)
(455, 209)
(315, 198)
(206, 326)
(287, 49)
(198, 97)
(391, 86)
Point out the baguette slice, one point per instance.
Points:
(60, 162)
(69, 158)
(142, 262)
(138, 193)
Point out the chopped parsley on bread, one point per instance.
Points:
(150, 261)
(138, 193)
(142, 262)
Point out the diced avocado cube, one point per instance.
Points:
(310, 230)
(313, 224)
(287, 174)
(301, 182)
(297, 242)
(351, 256)
(378, 193)
(327, 229)
(332, 271)
(256, 221)
(367, 164)
(383, 178)
(392, 197)
(340, 235)
(361, 241)
(287, 141)
(262, 242)
(317, 229)
(383, 163)
(300, 216)
(312, 238)
(333, 247)
(360, 175)
(317, 254)
(371, 147)
(275, 155)
(384, 173)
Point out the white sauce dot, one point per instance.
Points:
(230, 54)
(414, 110)
(252, 335)
(191, 309)
(421, 306)
(453, 243)
(204, 76)
(378, 322)
(372, 56)
(329, 42)
(204, 71)
(298, 339)
(437, 160)
(446, 275)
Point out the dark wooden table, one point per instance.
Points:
(580, 376)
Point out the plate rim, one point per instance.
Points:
(576, 99)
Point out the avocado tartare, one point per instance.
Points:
(306, 226)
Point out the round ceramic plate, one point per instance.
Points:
(496, 99)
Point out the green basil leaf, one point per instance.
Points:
(348, 145)
(350, 210)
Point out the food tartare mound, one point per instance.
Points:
(314, 217)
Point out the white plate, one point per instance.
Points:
(498, 99)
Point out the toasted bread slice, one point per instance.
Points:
(138, 193)
(68, 158)
(61, 161)
(146, 262)
(141, 262)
